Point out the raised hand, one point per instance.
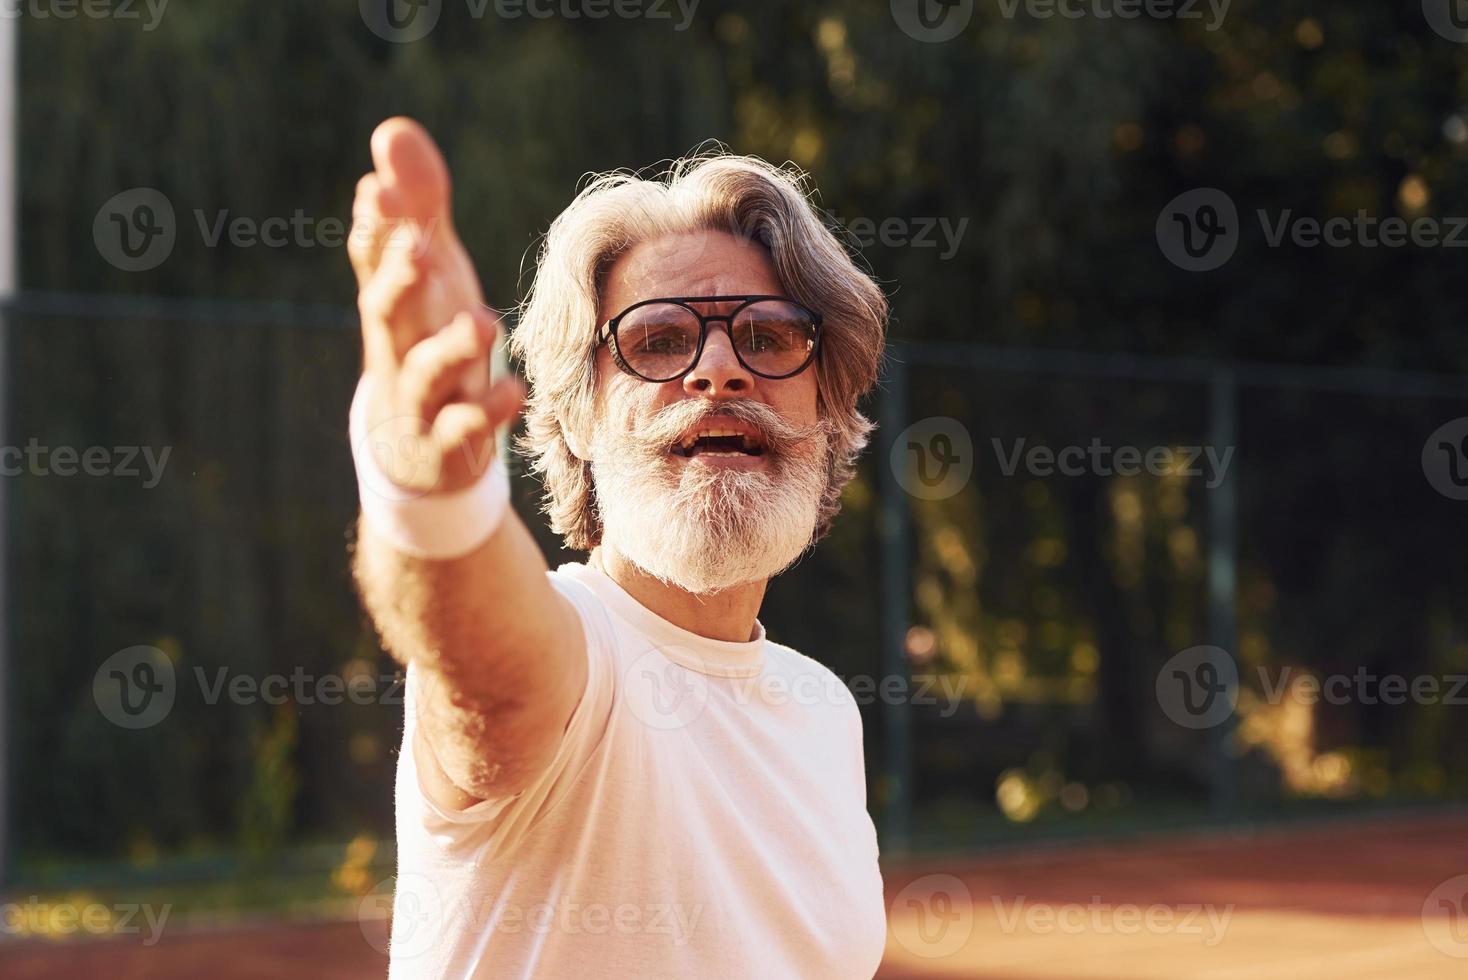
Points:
(426, 332)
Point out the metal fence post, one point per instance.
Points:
(1223, 576)
(895, 528)
(9, 285)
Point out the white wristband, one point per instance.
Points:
(436, 526)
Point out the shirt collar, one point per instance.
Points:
(717, 658)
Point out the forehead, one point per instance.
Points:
(705, 263)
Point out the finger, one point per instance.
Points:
(487, 325)
(436, 368)
(390, 304)
(471, 425)
(503, 401)
(408, 161)
(409, 165)
(376, 211)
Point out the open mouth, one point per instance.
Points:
(719, 441)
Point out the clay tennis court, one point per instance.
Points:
(1338, 901)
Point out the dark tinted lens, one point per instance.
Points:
(658, 340)
(774, 337)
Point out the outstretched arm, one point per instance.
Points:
(499, 654)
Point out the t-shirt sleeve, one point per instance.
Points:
(506, 819)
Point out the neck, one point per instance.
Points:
(727, 615)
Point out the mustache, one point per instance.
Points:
(780, 436)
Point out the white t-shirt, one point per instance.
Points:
(705, 816)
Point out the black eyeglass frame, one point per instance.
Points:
(607, 332)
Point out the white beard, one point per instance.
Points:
(704, 528)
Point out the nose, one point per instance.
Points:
(718, 371)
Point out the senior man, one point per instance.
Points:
(604, 773)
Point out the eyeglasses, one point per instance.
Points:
(662, 339)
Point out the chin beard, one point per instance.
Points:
(701, 528)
